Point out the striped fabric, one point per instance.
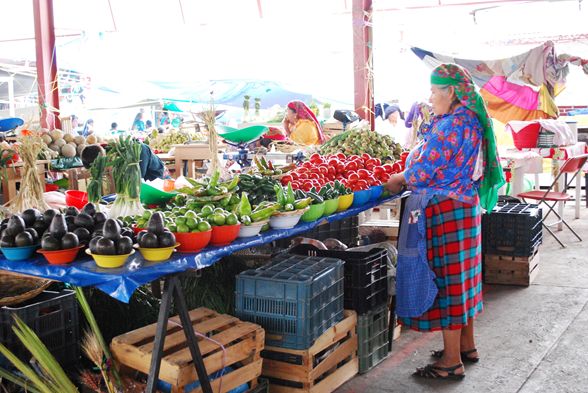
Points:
(454, 247)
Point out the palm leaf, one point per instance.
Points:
(34, 379)
(96, 330)
(51, 368)
(15, 379)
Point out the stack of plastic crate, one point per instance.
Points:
(511, 236)
(295, 299)
(366, 292)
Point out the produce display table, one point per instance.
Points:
(122, 282)
(529, 160)
(166, 158)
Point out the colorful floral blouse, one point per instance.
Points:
(443, 163)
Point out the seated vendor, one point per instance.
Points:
(301, 125)
(151, 166)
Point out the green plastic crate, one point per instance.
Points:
(372, 338)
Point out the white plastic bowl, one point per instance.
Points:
(285, 221)
(251, 230)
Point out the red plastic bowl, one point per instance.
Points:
(76, 198)
(60, 257)
(192, 241)
(223, 235)
(136, 229)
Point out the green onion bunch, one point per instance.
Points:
(124, 156)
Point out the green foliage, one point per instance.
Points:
(51, 379)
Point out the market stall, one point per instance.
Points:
(120, 246)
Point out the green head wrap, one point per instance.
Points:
(493, 179)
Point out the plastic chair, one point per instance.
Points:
(572, 166)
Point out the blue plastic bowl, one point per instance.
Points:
(360, 198)
(376, 192)
(19, 253)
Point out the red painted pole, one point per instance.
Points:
(362, 60)
(46, 63)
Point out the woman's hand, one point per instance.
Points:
(396, 183)
(286, 124)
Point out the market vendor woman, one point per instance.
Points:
(452, 173)
(301, 125)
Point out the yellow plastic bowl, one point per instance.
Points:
(157, 254)
(344, 202)
(110, 261)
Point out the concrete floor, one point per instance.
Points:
(530, 339)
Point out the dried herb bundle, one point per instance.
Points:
(31, 192)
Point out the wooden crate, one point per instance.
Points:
(243, 343)
(13, 176)
(329, 363)
(509, 270)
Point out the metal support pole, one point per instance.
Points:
(191, 339)
(173, 290)
(46, 63)
(363, 60)
(11, 102)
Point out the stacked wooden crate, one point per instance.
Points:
(511, 235)
(231, 351)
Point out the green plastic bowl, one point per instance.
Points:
(153, 196)
(237, 135)
(314, 213)
(331, 206)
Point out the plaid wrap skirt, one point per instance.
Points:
(454, 251)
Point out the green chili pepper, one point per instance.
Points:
(214, 179)
(264, 213)
(280, 197)
(244, 205)
(290, 196)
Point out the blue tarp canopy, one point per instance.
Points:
(232, 92)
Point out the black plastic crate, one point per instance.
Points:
(295, 299)
(346, 231)
(366, 275)
(512, 229)
(53, 316)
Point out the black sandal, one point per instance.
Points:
(464, 355)
(430, 371)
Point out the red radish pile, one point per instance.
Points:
(356, 172)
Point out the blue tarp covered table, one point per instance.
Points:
(120, 283)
